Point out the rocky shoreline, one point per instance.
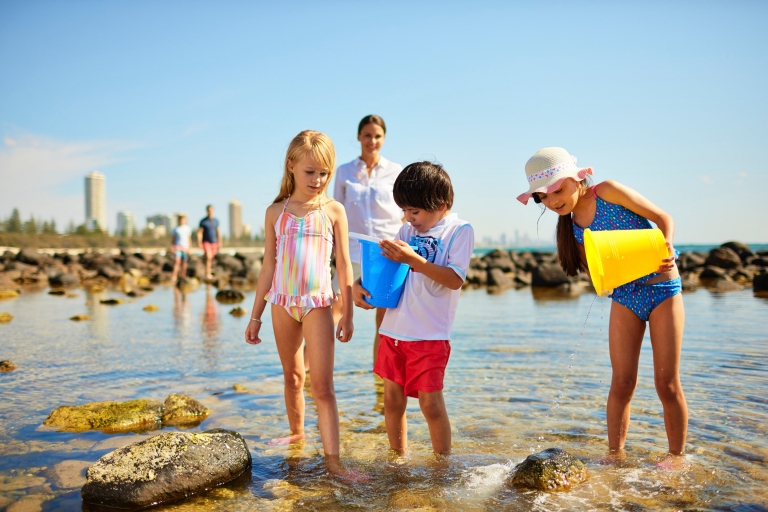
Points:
(134, 272)
(732, 266)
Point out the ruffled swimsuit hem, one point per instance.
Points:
(303, 301)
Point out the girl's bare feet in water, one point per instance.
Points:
(672, 462)
(613, 458)
(285, 441)
(339, 472)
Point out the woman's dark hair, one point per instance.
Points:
(567, 246)
(371, 119)
(425, 186)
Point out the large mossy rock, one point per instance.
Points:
(165, 468)
(551, 470)
(108, 417)
(183, 410)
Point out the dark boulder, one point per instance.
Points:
(230, 296)
(477, 277)
(724, 284)
(499, 259)
(760, 283)
(496, 277)
(64, 279)
(741, 249)
(548, 275)
(760, 261)
(30, 256)
(527, 262)
(690, 261)
(132, 262)
(165, 468)
(711, 272)
(551, 470)
(112, 272)
(230, 263)
(723, 257)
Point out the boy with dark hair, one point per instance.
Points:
(415, 346)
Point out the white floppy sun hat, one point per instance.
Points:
(547, 169)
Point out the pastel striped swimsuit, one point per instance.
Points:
(638, 296)
(302, 279)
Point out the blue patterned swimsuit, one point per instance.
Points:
(641, 298)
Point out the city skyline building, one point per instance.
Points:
(235, 219)
(126, 224)
(161, 224)
(96, 201)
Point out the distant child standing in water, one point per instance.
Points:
(555, 181)
(180, 246)
(303, 227)
(415, 348)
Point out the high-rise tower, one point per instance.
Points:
(96, 201)
(235, 219)
(125, 224)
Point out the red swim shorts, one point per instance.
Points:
(210, 249)
(415, 365)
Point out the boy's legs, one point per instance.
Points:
(288, 340)
(176, 263)
(433, 407)
(184, 258)
(395, 402)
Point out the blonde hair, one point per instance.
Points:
(310, 143)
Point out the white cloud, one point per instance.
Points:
(706, 179)
(33, 169)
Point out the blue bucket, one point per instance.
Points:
(383, 278)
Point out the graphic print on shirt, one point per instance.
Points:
(427, 247)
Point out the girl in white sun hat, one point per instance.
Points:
(558, 183)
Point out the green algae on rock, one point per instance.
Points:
(183, 410)
(165, 468)
(7, 366)
(238, 311)
(553, 469)
(134, 415)
(5, 318)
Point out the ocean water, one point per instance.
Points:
(528, 371)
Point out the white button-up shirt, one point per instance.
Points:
(370, 204)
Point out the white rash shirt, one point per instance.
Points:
(426, 308)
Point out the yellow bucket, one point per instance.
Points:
(618, 257)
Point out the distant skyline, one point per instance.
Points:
(182, 104)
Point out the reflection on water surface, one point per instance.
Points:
(521, 379)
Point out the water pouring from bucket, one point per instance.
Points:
(383, 278)
(618, 257)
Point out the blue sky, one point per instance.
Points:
(181, 104)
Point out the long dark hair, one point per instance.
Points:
(371, 119)
(567, 246)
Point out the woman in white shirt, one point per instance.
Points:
(364, 187)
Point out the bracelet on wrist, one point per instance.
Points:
(257, 320)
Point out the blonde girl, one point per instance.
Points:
(303, 227)
(555, 181)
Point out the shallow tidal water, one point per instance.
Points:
(525, 374)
